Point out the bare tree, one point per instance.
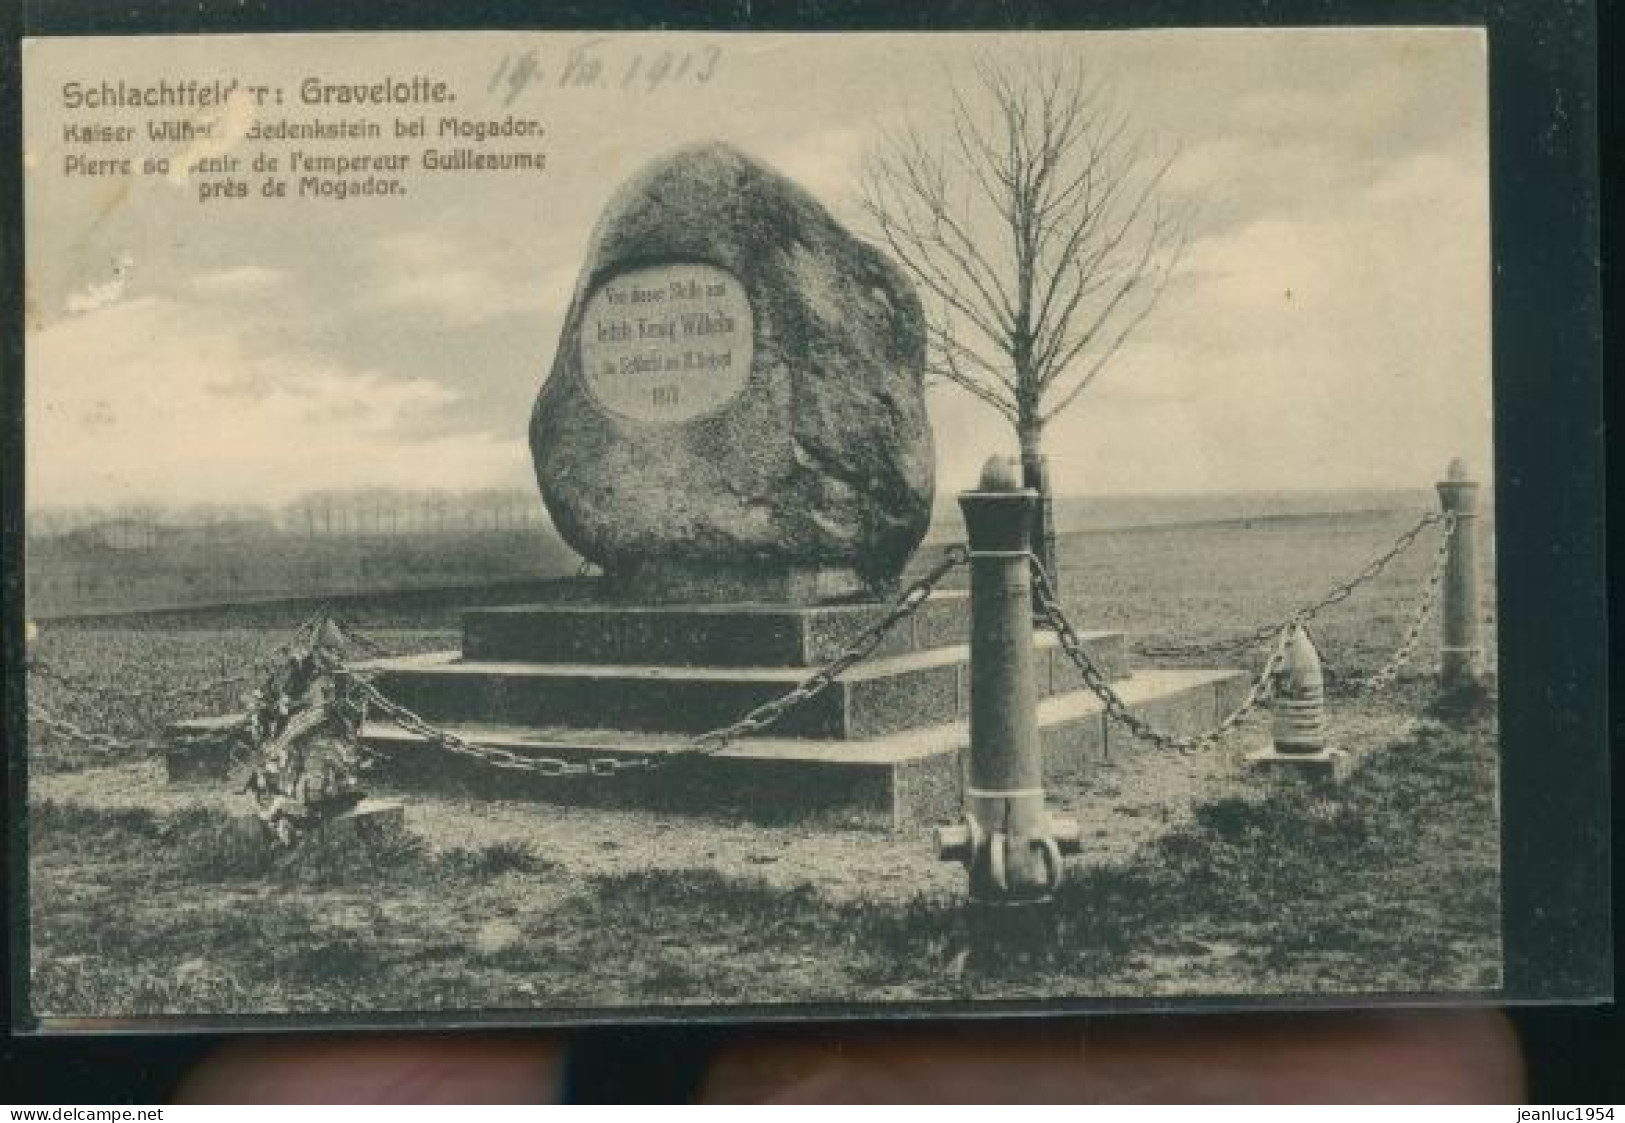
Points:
(1038, 228)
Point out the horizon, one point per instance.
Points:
(196, 515)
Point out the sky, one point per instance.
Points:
(1329, 326)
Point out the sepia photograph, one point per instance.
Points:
(541, 526)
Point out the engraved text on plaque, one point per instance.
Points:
(667, 343)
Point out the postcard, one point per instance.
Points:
(527, 526)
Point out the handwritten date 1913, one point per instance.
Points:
(596, 65)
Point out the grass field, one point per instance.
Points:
(1194, 880)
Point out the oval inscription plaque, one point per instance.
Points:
(667, 343)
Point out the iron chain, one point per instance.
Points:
(74, 733)
(298, 641)
(1337, 594)
(861, 648)
(490, 755)
(109, 743)
(910, 602)
(185, 692)
(1117, 709)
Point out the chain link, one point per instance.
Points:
(910, 602)
(859, 649)
(1389, 672)
(1117, 709)
(708, 743)
(370, 646)
(1338, 593)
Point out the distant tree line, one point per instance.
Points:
(351, 511)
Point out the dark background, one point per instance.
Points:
(1575, 1054)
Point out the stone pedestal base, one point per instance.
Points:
(1330, 765)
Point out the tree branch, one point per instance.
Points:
(1037, 225)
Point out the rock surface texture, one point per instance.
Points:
(736, 409)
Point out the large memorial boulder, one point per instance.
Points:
(736, 408)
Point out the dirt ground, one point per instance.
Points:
(1121, 804)
(519, 906)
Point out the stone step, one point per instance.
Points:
(899, 781)
(882, 695)
(699, 635)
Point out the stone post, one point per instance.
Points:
(1461, 649)
(1298, 716)
(1009, 844)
